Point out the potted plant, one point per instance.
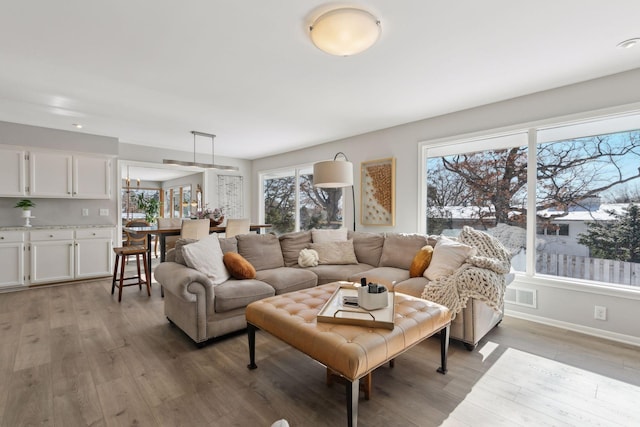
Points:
(25, 205)
(215, 216)
(150, 206)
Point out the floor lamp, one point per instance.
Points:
(335, 174)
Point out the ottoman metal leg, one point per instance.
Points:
(444, 349)
(251, 334)
(353, 392)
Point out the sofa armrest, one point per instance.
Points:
(184, 282)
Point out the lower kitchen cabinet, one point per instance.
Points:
(59, 255)
(12, 254)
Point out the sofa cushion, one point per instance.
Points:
(287, 279)
(367, 246)
(329, 235)
(234, 294)
(177, 252)
(448, 256)
(205, 256)
(398, 249)
(261, 250)
(228, 244)
(291, 244)
(335, 252)
(238, 267)
(421, 261)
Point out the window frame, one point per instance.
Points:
(300, 169)
(532, 129)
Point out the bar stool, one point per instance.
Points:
(121, 255)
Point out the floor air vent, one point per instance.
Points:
(519, 296)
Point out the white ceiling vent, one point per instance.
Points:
(521, 296)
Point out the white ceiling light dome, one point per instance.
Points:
(345, 31)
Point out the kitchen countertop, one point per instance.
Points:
(53, 227)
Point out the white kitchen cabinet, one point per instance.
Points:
(12, 173)
(51, 256)
(93, 252)
(59, 255)
(54, 174)
(12, 256)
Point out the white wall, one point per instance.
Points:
(569, 307)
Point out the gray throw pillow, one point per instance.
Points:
(179, 257)
(291, 245)
(261, 250)
(367, 246)
(399, 249)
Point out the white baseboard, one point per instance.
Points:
(613, 336)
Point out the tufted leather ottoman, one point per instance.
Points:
(351, 351)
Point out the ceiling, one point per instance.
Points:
(149, 72)
(150, 173)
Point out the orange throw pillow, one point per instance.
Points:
(238, 266)
(420, 262)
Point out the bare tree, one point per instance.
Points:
(568, 172)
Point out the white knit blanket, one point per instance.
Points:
(481, 277)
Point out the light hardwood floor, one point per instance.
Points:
(72, 356)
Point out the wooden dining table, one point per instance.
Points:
(163, 232)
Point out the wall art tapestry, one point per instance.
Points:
(231, 195)
(377, 196)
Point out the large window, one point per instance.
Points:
(291, 202)
(139, 203)
(581, 180)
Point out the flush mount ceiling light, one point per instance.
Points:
(344, 32)
(629, 43)
(211, 165)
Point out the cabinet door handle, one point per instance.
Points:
(1, 237)
(93, 234)
(50, 235)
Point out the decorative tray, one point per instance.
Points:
(334, 311)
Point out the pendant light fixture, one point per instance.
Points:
(211, 165)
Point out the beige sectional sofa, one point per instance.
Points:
(204, 310)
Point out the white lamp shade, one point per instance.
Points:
(333, 174)
(345, 32)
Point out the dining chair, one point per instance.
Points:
(133, 238)
(236, 226)
(195, 228)
(169, 241)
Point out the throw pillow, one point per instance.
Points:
(228, 244)
(421, 261)
(308, 258)
(205, 256)
(448, 256)
(292, 244)
(261, 250)
(396, 247)
(238, 266)
(329, 235)
(367, 246)
(335, 252)
(179, 244)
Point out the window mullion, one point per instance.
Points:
(531, 202)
